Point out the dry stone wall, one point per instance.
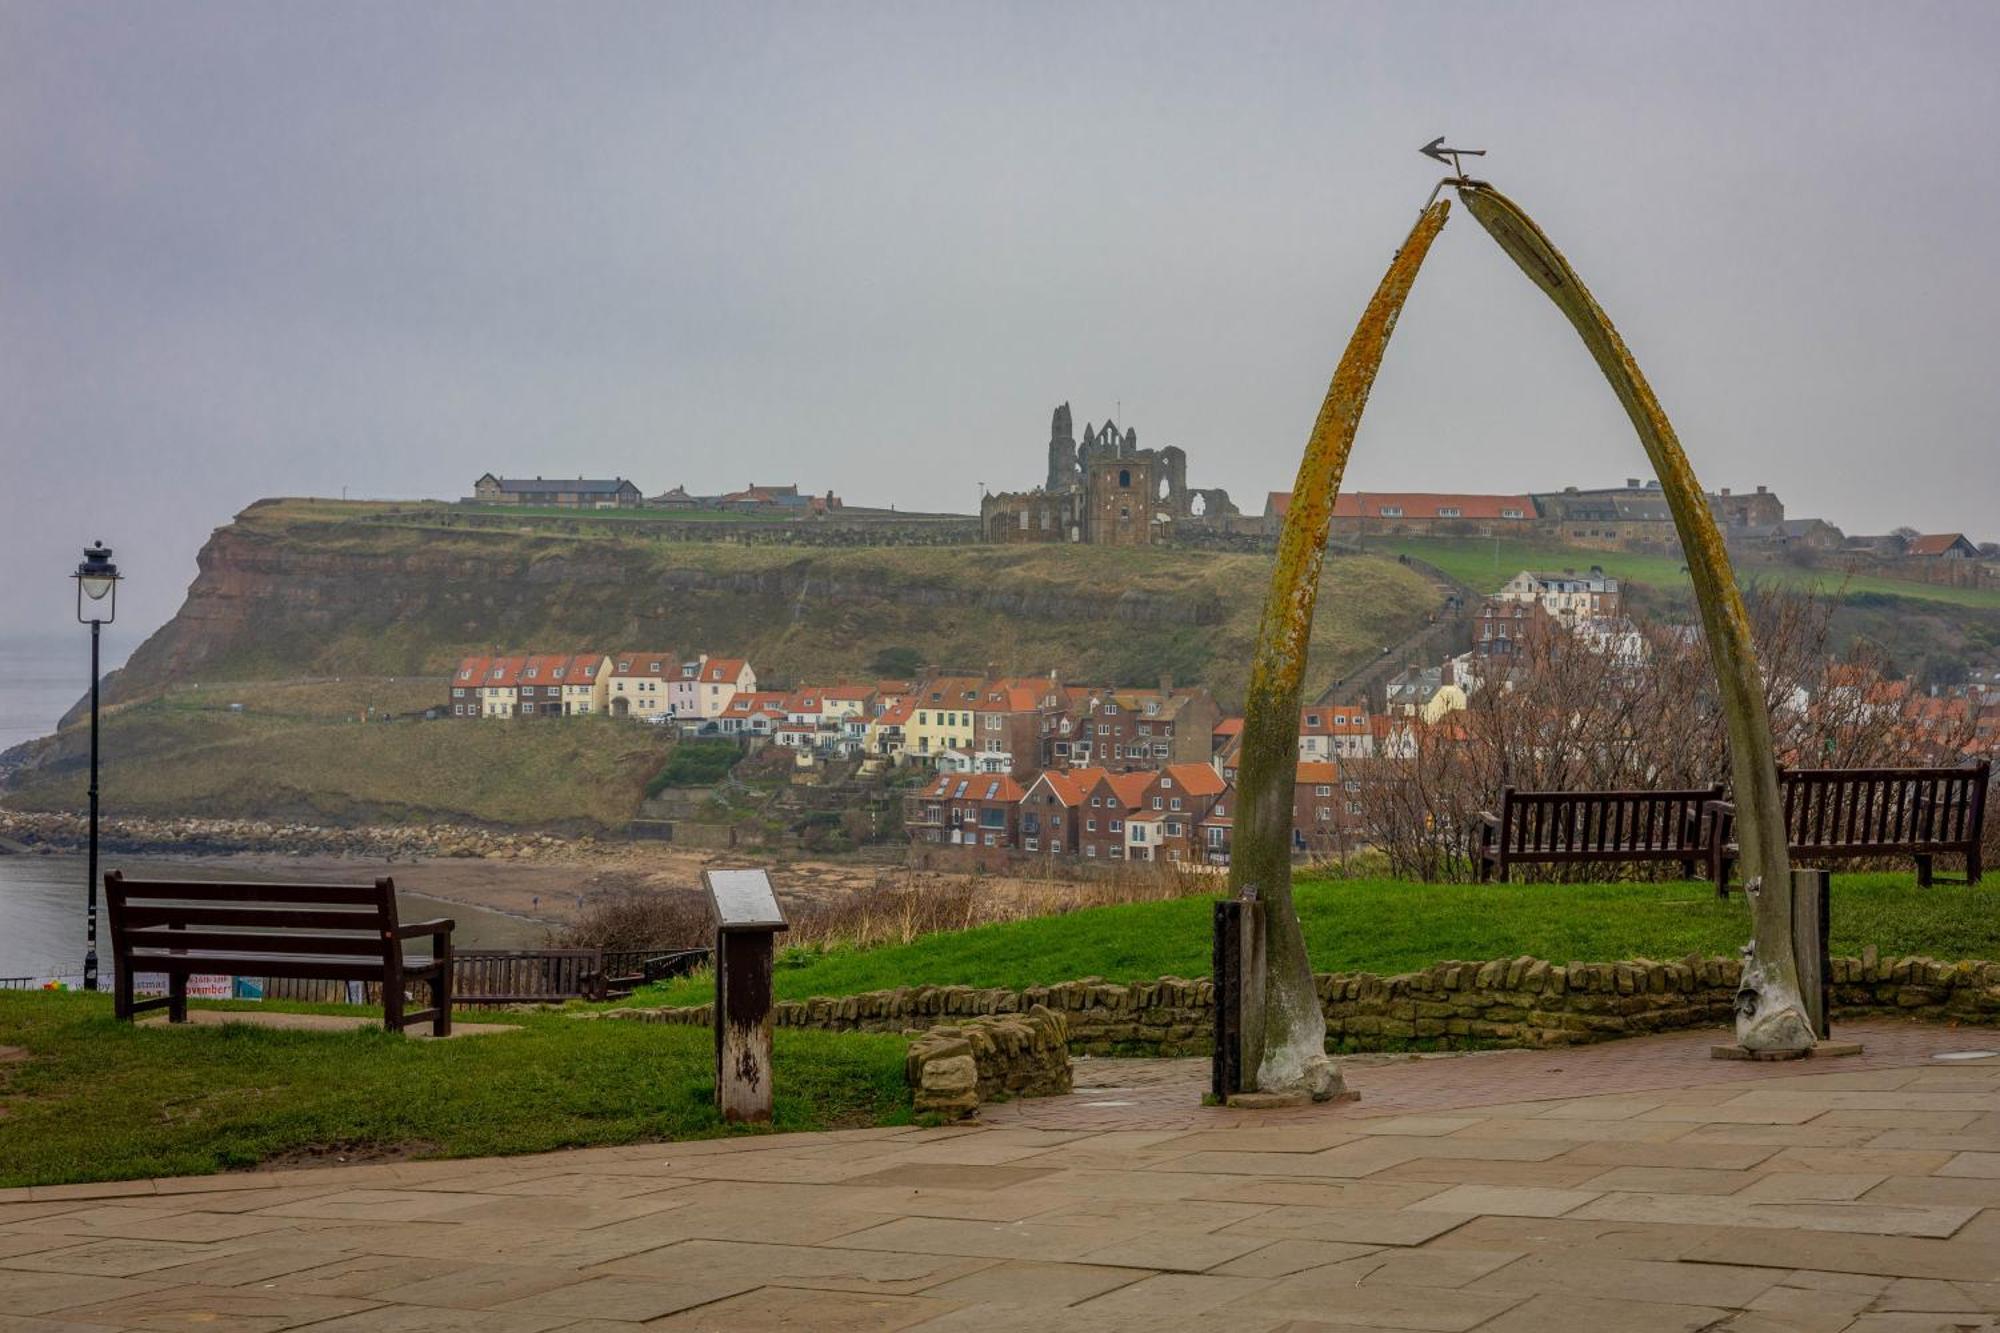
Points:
(954, 1067)
(1503, 1002)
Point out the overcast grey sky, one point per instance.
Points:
(279, 248)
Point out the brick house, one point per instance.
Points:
(1052, 810)
(1325, 812)
(966, 809)
(1107, 801)
(1166, 824)
(1019, 717)
(465, 683)
(1215, 831)
(1503, 628)
(539, 686)
(1147, 728)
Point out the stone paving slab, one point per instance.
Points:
(1679, 1194)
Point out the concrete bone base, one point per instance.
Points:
(1824, 1050)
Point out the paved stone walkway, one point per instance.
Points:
(1632, 1186)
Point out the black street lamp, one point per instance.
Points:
(96, 591)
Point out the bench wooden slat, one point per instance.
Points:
(267, 965)
(249, 942)
(146, 917)
(247, 892)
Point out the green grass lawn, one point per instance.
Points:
(1387, 926)
(101, 1100)
(1485, 564)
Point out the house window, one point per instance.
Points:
(1174, 804)
(1392, 511)
(1090, 825)
(1090, 850)
(1117, 826)
(1450, 511)
(1511, 513)
(458, 694)
(1138, 833)
(1323, 791)
(1033, 844)
(1173, 829)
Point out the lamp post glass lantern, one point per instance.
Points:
(96, 606)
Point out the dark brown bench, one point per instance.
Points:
(1576, 827)
(1842, 812)
(334, 932)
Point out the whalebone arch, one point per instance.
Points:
(1285, 1040)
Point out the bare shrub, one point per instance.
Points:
(906, 906)
(637, 918)
(1567, 715)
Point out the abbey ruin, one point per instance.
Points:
(1105, 491)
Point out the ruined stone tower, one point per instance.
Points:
(1062, 452)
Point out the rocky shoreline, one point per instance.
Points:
(52, 833)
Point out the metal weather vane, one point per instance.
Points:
(1437, 151)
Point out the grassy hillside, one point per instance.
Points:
(328, 588)
(1485, 564)
(1390, 926)
(299, 752)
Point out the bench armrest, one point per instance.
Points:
(1714, 808)
(441, 926)
(1489, 819)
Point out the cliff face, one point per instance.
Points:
(301, 589)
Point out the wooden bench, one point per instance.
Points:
(1843, 812)
(335, 932)
(1575, 827)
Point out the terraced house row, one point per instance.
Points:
(651, 686)
(1181, 813)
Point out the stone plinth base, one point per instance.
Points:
(1277, 1101)
(1825, 1050)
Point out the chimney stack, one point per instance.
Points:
(1166, 682)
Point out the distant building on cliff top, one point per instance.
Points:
(557, 492)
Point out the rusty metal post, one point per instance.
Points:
(747, 922)
(1238, 972)
(1771, 1013)
(1290, 1050)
